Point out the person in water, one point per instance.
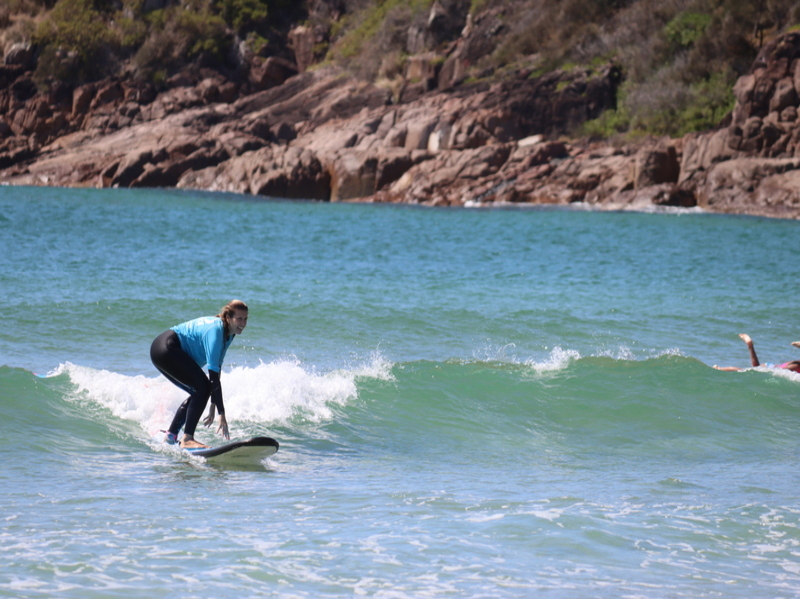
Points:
(794, 365)
(181, 353)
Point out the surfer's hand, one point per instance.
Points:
(223, 427)
(209, 420)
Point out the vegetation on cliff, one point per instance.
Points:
(679, 58)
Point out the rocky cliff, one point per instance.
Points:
(324, 134)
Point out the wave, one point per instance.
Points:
(563, 405)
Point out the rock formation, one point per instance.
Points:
(323, 134)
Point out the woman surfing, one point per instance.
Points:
(181, 353)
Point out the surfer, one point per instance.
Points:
(181, 353)
(794, 365)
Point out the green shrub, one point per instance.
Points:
(75, 26)
(177, 35)
(711, 101)
(74, 34)
(609, 124)
(685, 29)
(665, 106)
(133, 32)
(205, 34)
(243, 16)
(256, 43)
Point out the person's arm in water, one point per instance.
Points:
(216, 404)
(750, 348)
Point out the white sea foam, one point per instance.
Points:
(552, 514)
(557, 360)
(782, 372)
(148, 401)
(269, 392)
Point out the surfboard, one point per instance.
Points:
(248, 451)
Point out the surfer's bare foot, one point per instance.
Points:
(746, 338)
(192, 444)
(796, 343)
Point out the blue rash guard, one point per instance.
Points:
(204, 340)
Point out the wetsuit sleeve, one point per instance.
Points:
(216, 391)
(213, 344)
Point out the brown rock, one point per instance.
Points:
(421, 68)
(285, 173)
(784, 95)
(353, 175)
(452, 72)
(271, 72)
(735, 180)
(23, 89)
(673, 195)
(468, 132)
(396, 137)
(654, 166)
(781, 190)
(16, 154)
(209, 90)
(227, 92)
(36, 118)
(107, 94)
(392, 164)
(283, 132)
(140, 93)
(418, 132)
(743, 92)
(237, 143)
(167, 174)
(789, 114)
(302, 40)
(131, 167)
(82, 99)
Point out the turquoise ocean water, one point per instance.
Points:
(470, 403)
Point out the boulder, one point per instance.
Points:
(23, 89)
(107, 94)
(81, 100)
(418, 132)
(657, 165)
(302, 41)
(783, 96)
(131, 167)
(353, 175)
(271, 72)
(392, 164)
(20, 54)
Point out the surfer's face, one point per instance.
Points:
(237, 322)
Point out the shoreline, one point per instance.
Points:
(489, 206)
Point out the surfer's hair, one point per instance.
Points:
(227, 312)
